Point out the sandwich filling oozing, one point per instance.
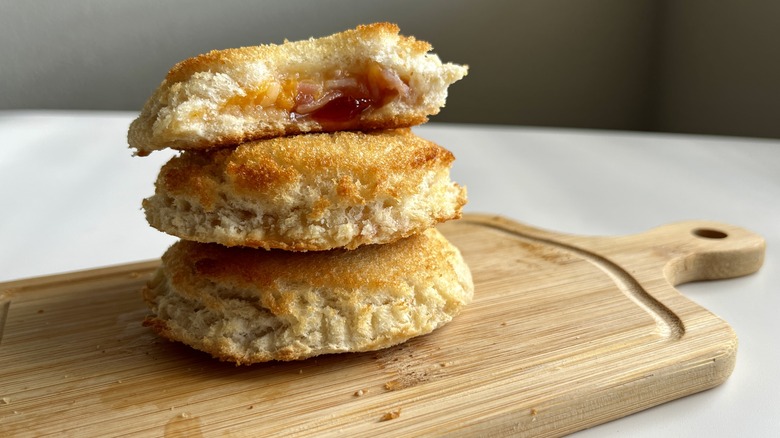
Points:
(334, 100)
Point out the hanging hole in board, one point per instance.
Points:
(709, 233)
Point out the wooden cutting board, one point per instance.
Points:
(565, 332)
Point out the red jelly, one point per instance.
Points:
(343, 111)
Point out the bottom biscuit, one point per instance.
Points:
(247, 305)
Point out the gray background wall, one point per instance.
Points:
(668, 65)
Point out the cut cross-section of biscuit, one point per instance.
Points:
(365, 78)
(246, 306)
(308, 192)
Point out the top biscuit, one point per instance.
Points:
(365, 78)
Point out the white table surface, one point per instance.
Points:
(70, 195)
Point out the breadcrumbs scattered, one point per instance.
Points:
(360, 392)
(391, 415)
(184, 415)
(6, 400)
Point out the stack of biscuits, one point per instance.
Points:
(305, 205)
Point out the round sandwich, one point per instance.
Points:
(365, 78)
(247, 306)
(308, 192)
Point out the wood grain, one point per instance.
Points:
(565, 332)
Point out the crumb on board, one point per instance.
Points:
(392, 415)
(393, 385)
(360, 392)
(6, 400)
(184, 415)
(40, 311)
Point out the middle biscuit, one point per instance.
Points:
(308, 192)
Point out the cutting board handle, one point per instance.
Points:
(683, 251)
(705, 250)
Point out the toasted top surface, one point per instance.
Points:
(296, 52)
(364, 165)
(274, 274)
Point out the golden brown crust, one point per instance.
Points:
(376, 161)
(219, 60)
(248, 306)
(371, 266)
(308, 192)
